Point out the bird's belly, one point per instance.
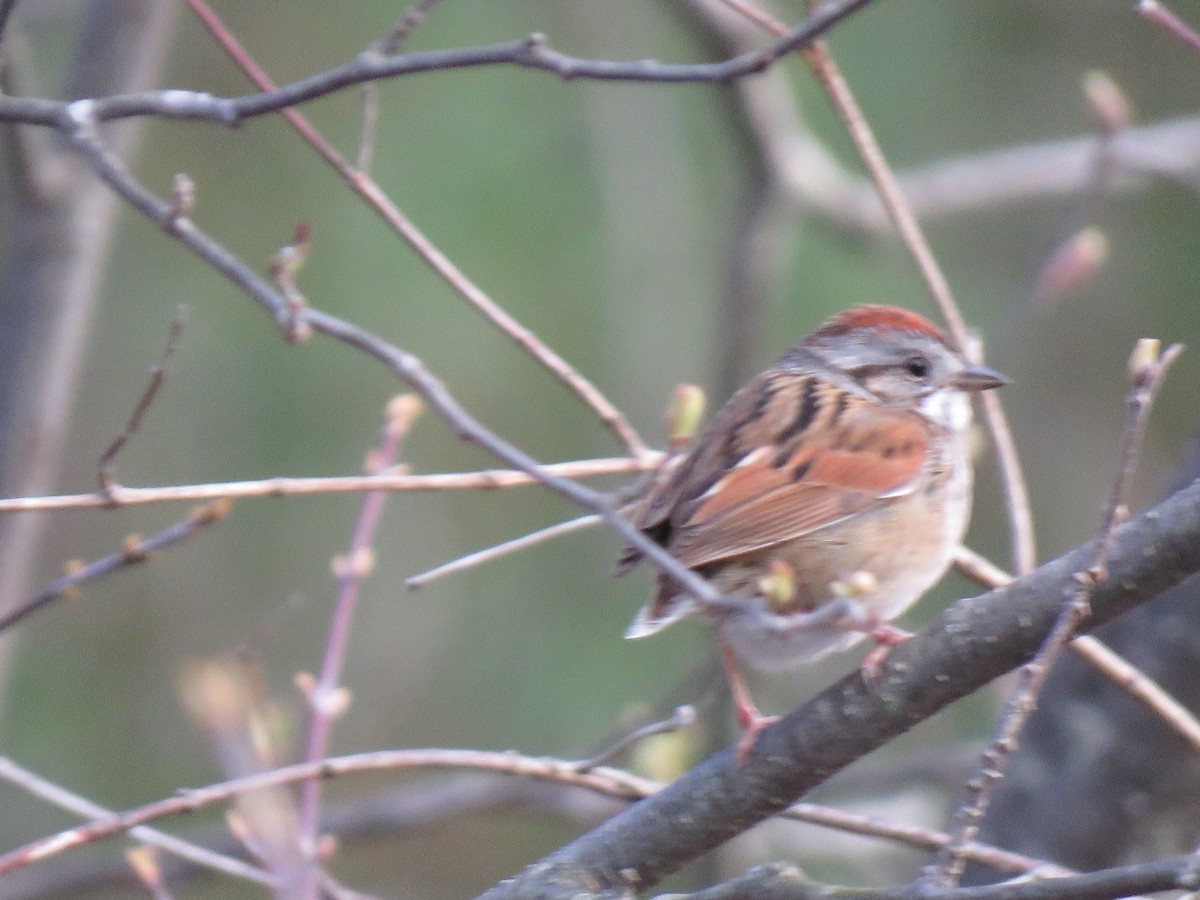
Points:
(883, 560)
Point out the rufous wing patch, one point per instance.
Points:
(770, 498)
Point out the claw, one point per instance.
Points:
(885, 637)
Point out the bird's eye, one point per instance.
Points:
(917, 366)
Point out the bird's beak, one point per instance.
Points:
(975, 377)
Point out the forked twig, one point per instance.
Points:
(369, 190)
(1147, 367)
(62, 798)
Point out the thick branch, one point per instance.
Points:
(975, 641)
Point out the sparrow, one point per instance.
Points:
(825, 497)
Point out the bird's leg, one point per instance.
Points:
(749, 717)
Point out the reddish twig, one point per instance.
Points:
(1155, 12)
(608, 781)
(325, 698)
(1115, 667)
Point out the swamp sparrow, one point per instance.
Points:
(823, 500)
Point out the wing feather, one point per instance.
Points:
(769, 498)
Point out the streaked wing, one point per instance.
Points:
(848, 454)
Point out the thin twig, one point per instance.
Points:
(980, 569)
(1148, 367)
(389, 45)
(135, 552)
(485, 480)
(325, 697)
(683, 717)
(1140, 686)
(1155, 12)
(498, 550)
(606, 781)
(62, 798)
(157, 375)
(609, 781)
(783, 881)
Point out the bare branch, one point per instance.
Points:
(297, 321)
(781, 881)
(488, 479)
(135, 552)
(604, 780)
(64, 799)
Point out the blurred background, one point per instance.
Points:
(613, 220)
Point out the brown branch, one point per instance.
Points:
(488, 479)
